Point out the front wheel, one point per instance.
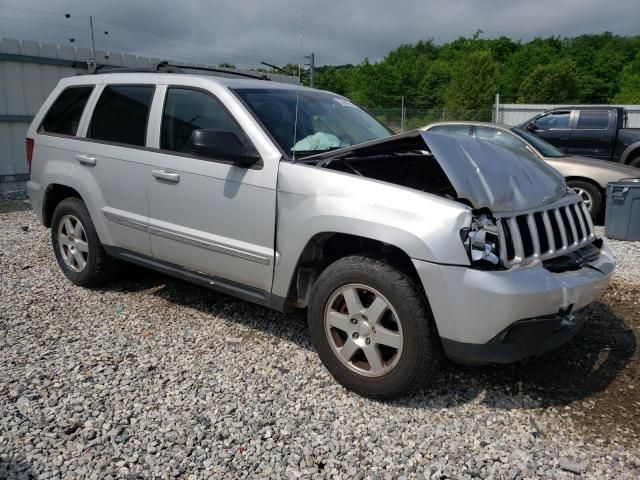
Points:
(590, 195)
(372, 328)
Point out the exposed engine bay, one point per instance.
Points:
(418, 170)
(477, 173)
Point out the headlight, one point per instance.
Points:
(482, 242)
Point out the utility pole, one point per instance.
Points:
(93, 43)
(402, 115)
(312, 69)
(496, 118)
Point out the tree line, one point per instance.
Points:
(463, 76)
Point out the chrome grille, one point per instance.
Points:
(531, 236)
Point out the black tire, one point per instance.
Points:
(635, 161)
(100, 267)
(592, 192)
(421, 351)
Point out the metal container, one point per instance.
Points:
(622, 217)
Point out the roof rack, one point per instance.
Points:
(165, 67)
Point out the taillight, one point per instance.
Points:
(29, 152)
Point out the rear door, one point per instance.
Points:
(207, 214)
(111, 163)
(555, 128)
(594, 134)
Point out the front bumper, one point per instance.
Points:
(504, 316)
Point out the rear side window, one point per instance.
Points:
(186, 110)
(121, 114)
(499, 137)
(452, 129)
(593, 120)
(64, 115)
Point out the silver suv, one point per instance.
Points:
(400, 247)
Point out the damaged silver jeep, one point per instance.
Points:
(402, 247)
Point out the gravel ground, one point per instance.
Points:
(152, 377)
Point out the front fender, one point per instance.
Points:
(312, 201)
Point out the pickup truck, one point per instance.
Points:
(593, 131)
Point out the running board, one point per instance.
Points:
(250, 294)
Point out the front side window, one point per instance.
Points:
(186, 110)
(121, 114)
(63, 118)
(593, 120)
(553, 120)
(306, 122)
(500, 137)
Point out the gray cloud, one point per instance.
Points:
(245, 32)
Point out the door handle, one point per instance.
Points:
(86, 159)
(166, 175)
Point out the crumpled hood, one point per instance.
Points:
(487, 175)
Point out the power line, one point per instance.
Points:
(43, 23)
(149, 32)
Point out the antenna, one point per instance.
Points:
(295, 124)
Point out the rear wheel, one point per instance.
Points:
(590, 195)
(372, 328)
(635, 162)
(77, 247)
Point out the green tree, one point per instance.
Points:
(553, 83)
(630, 83)
(473, 84)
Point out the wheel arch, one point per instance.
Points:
(325, 248)
(587, 180)
(630, 153)
(53, 195)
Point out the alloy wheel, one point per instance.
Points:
(363, 330)
(586, 197)
(72, 242)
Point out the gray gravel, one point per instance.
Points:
(152, 377)
(627, 255)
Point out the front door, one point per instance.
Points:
(207, 214)
(555, 128)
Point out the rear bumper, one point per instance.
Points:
(503, 316)
(35, 197)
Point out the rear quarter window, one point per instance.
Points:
(63, 118)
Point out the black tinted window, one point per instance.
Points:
(593, 119)
(121, 114)
(186, 110)
(553, 120)
(64, 115)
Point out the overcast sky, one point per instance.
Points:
(246, 32)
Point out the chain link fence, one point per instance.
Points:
(419, 117)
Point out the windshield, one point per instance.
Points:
(545, 149)
(325, 121)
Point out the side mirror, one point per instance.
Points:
(531, 127)
(222, 145)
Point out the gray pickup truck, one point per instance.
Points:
(594, 131)
(400, 247)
